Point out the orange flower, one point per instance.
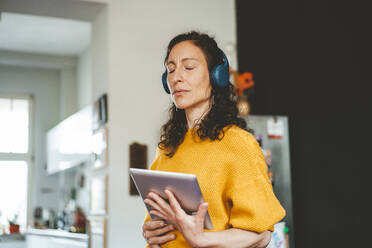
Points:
(244, 81)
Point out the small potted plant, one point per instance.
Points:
(13, 225)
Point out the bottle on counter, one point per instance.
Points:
(80, 222)
(69, 217)
(61, 220)
(52, 223)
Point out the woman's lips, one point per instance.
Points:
(179, 92)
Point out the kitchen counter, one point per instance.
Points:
(12, 237)
(57, 233)
(12, 240)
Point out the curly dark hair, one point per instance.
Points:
(223, 112)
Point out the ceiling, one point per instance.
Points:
(43, 35)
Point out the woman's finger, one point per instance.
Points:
(152, 224)
(161, 239)
(159, 214)
(176, 207)
(200, 215)
(158, 232)
(154, 205)
(162, 231)
(161, 203)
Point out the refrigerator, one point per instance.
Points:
(273, 136)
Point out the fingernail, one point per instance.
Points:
(172, 236)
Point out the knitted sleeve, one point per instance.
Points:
(254, 206)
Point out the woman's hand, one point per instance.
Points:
(154, 231)
(191, 226)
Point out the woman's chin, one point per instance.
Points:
(180, 105)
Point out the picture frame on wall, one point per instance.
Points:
(103, 109)
(97, 230)
(100, 115)
(137, 160)
(98, 195)
(99, 156)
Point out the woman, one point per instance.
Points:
(204, 136)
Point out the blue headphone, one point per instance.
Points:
(219, 74)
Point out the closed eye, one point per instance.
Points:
(187, 68)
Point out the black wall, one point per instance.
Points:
(312, 61)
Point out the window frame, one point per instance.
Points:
(29, 156)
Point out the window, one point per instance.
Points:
(15, 158)
(14, 114)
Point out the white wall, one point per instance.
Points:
(33, 60)
(66, 65)
(68, 92)
(138, 33)
(44, 85)
(99, 46)
(84, 79)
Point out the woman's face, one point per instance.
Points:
(188, 76)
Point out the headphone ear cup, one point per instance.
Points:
(220, 75)
(165, 82)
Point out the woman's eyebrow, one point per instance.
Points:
(188, 59)
(182, 60)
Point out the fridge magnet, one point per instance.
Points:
(99, 154)
(278, 237)
(267, 155)
(97, 230)
(98, 195)
(275, 128)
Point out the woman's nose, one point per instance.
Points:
(175, 76)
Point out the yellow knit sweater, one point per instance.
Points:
(232, 175)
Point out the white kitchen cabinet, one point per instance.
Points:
(69, 142)
(36, 241)
(55, 239)
(18, 244)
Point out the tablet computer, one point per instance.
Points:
(184, 186)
